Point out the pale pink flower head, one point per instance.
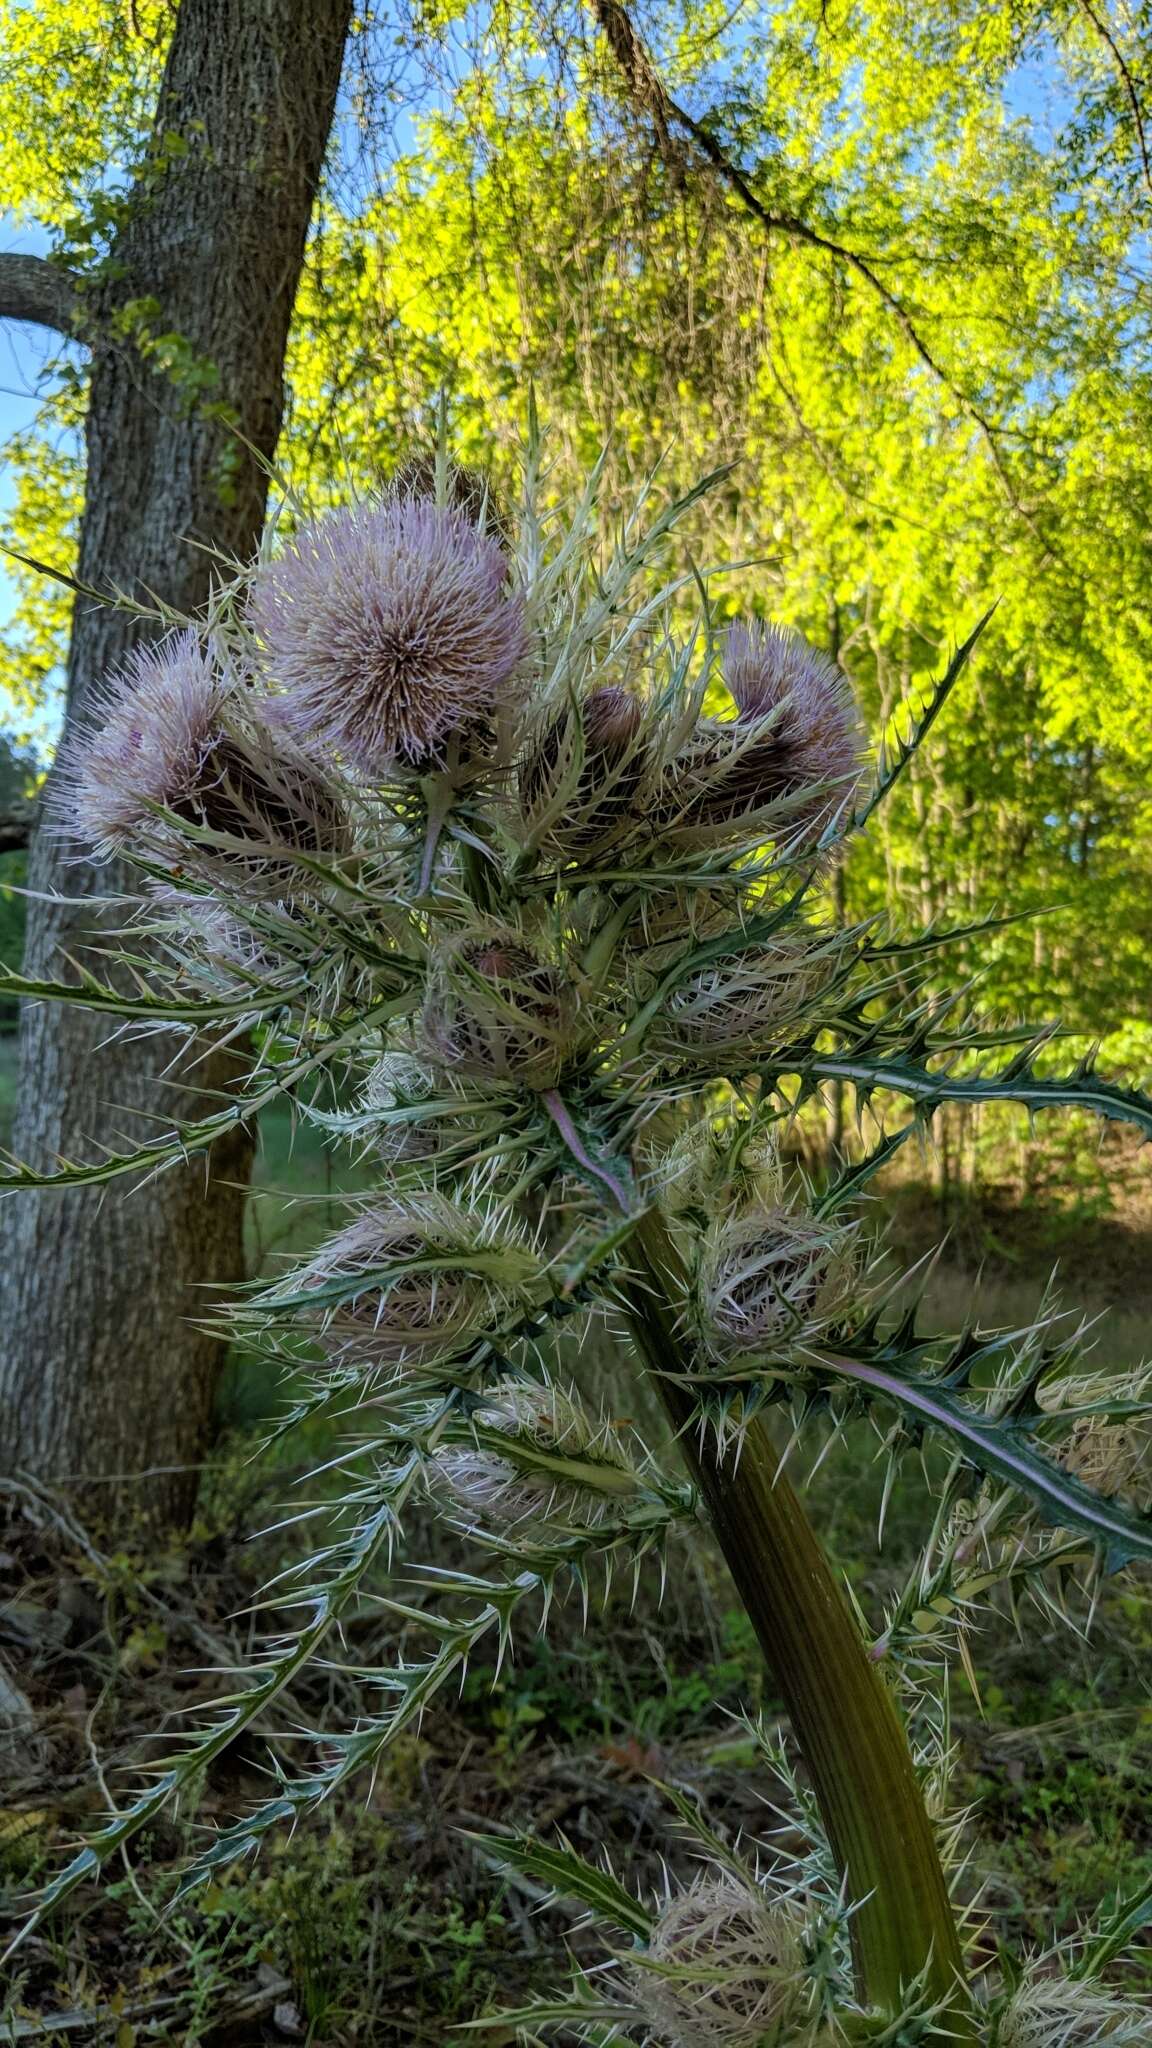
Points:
(143, 741)
(389, 629)
(816, 739)
(176, 732)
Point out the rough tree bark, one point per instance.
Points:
(102, 1372)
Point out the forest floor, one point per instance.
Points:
(380, 1921)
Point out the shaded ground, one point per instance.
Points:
(380, 1922)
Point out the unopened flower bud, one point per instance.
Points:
(1110, 1457)
(768, 1279)
(718, 1164)
(400, 1082)
(538, 1458)
(465, 490)
(210, 939)
(497, 1012)
(743, 1009)
(431, 1274)
(668, 920)
(725, 1968)
(1064, 2012)
(584, 802)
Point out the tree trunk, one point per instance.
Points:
(102, 1372)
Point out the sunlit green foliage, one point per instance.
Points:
(967, 421)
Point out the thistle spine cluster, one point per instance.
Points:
(523, 914)
(725, 1967)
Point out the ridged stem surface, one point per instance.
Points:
(843, 1717)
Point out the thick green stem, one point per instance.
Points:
(842, 1715)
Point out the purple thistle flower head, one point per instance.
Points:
(388, 629)
(143, 741)
(815, 738)
(174, 730)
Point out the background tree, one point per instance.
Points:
(852, 266)
(894, 264)
(186, 308)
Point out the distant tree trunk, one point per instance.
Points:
(102, 1370)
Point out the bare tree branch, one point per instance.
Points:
(1106, 36)
(651, 96)
(650, 93)
(31, 288)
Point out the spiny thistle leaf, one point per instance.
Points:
(190, 1138)
(567, 1875)
(91, 994)
(187, 1140)
(936, 936)
(494, 1604)
(922, 719)
(328, 1602)
(1115, 1932)
(1017, 1082)
(856, 1175)
(1003, 1448)
(578, 2009)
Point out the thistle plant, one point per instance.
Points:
(503, 860)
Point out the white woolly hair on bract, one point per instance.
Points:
(487, 1483)
(407, 1308)
(725, 1967)
(769, 1277)
(1054, 2011)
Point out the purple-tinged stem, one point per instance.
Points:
(560, 1114)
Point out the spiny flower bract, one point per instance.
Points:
(1054, 2011)
(724, 1968)
(538, 1457)
(465, 489)
(579, 778)
(743, 1008)
(499, 1010)
(792, 756)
